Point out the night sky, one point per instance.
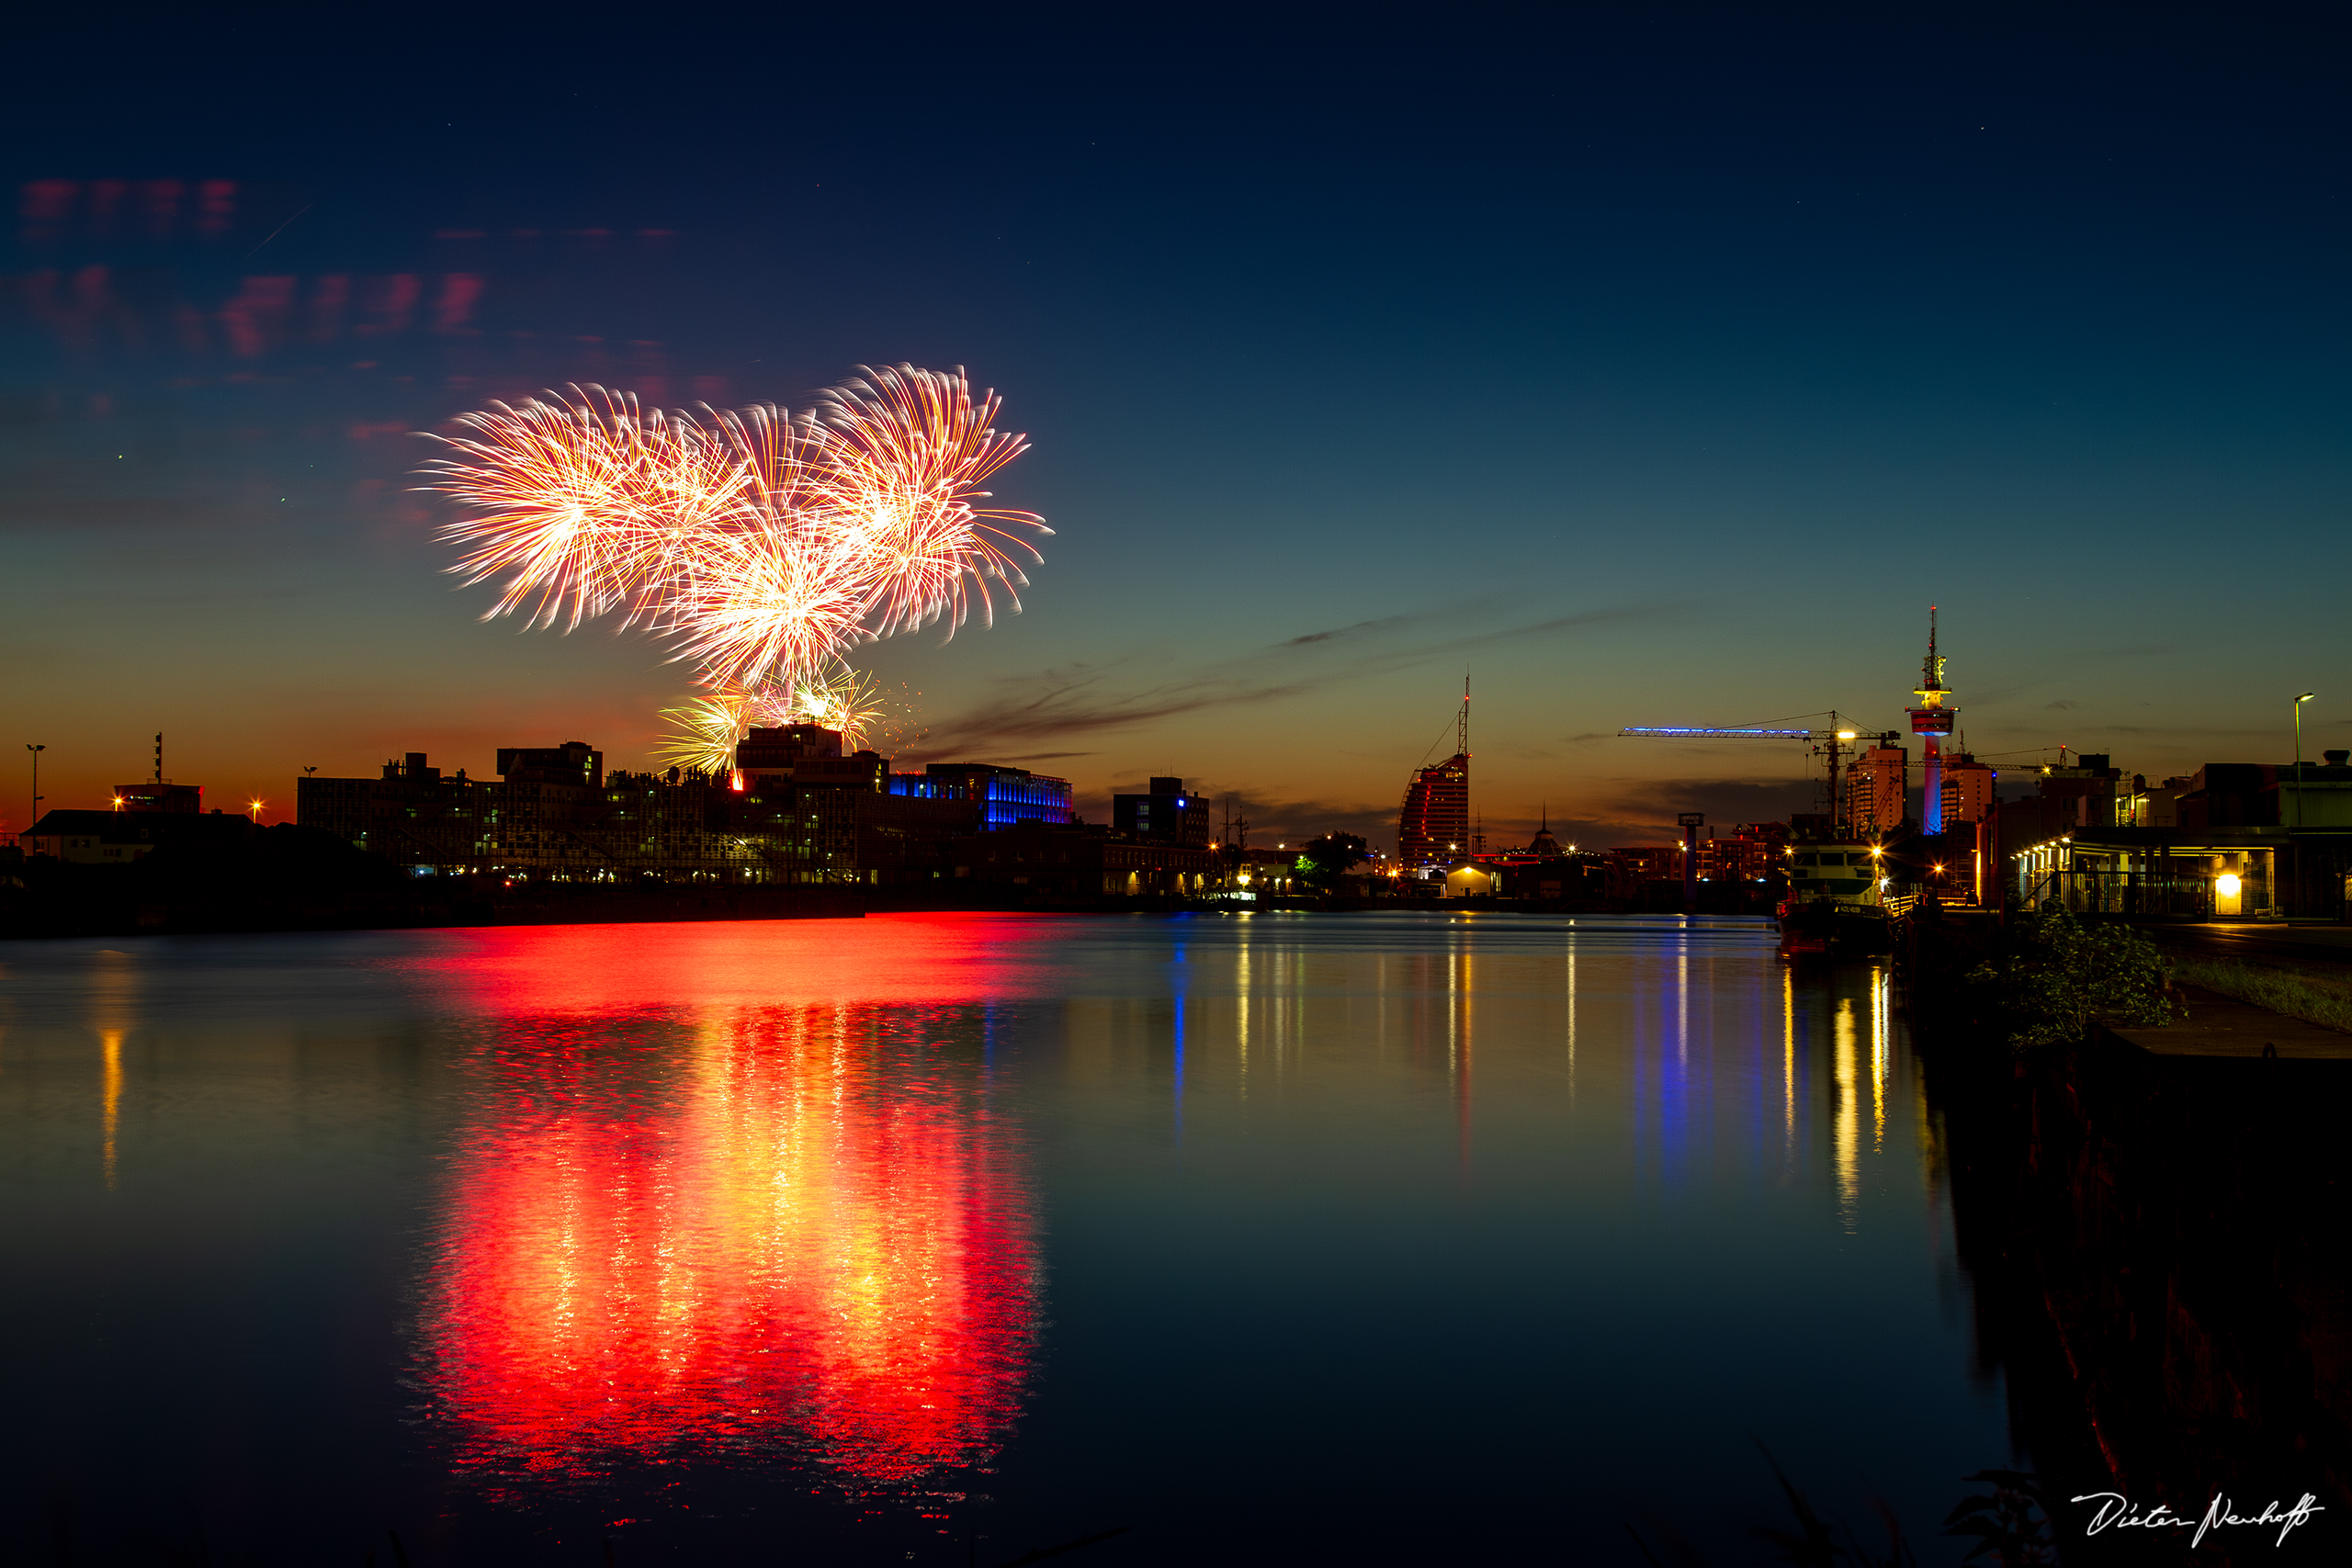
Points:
(1656, 364)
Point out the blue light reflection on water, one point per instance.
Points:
(1442, 1233)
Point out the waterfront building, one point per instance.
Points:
(1582, 877)
(1968, 790)
(160, 795)
(1001, 795)
(1751, 852)
(1469, 879)
(797, 808)
(800, 800)
(2157, 805)
(1876, 788)
(409, 814)
(1632, 865)
(552, 814)
(1083, 861)
(1433, 828)
(539, 819)
(1163, 815)
(1260, 873)
(2231, 841)
(806, 756)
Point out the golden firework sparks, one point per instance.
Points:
(764, 545)
(902, 454)
(703, 734)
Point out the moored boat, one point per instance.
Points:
(1834, 908)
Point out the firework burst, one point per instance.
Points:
(705, 732)
(902, 455)
(761, 544)
(584, 502)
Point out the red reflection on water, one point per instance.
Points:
(790, 1228)
(522, 970)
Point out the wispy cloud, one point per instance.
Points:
(1078, 700)
(1359, 628)
(1082, 699)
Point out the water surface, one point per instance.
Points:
(1274, 1238)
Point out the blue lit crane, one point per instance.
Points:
(1830, 742)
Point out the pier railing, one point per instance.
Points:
(2131, 893)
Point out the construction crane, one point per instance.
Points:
(1830, 742)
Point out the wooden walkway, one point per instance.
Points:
(2217, 1025)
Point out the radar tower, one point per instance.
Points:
(1931, 721)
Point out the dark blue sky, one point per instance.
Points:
(1660, 364)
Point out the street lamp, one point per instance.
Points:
(2307, 696)
(36, 750)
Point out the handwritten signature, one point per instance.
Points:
(2114, 1508)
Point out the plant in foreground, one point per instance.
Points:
(2064, 974)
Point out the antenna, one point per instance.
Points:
(1461, 728)
(159, 756)
(1931, 670)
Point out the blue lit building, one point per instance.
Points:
(1005, 795)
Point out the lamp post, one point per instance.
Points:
(36, 750)
(2307, 696)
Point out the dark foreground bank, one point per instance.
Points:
(2161, 1274)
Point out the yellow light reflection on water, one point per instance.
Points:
(1846, 1134)
(111, 1098)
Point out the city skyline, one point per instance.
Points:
(1621, 372)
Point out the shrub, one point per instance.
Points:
(2064, 974)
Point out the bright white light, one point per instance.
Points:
(2226, 885)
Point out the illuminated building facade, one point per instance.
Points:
(1003, 796)
(1433, 829)
(797, 809)
(555, 815)
(1968, 790)
(1876, 788)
